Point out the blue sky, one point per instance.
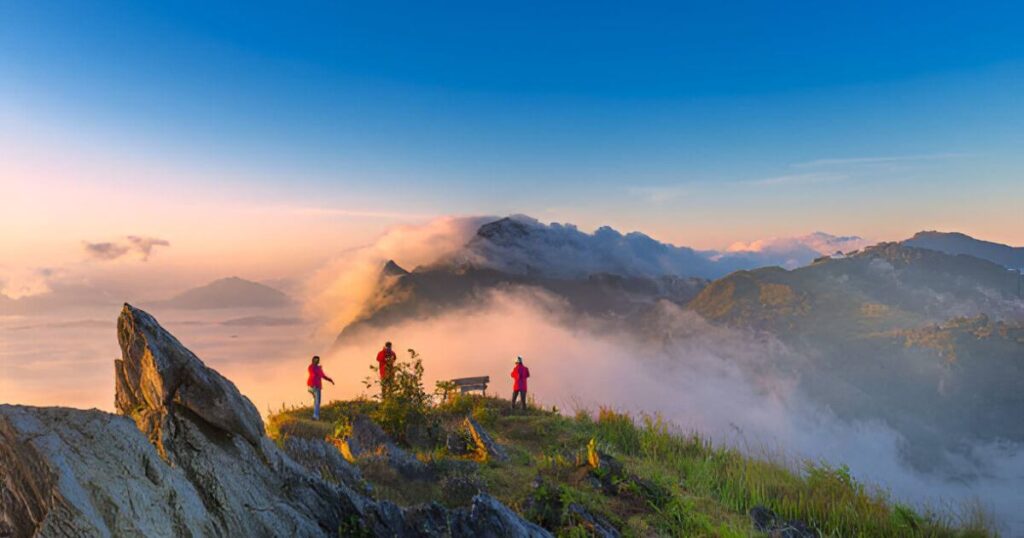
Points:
(698, 122)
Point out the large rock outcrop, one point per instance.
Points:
(156, 375)
(191, 458)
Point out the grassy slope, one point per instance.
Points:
(693, 488)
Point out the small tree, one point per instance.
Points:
(403, 400)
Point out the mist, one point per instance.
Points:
(704, 379)
(739, 388)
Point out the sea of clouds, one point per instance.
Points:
(701, 377)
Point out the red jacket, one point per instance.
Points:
(520, 373)
(316, 374)
(383, 356)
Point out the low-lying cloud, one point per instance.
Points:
(336, 294)
(723, 383)
(701, 377)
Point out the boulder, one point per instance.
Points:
(157, 374)
(366, 439)
(324, 461)
(488, 518)
(486, 446)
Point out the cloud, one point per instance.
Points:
(110, 250)
(797, 179)
(793, 252)
(106, 250)
(714, 380)
(337, 293)
(145, 245)
(18, 282)
(879, 160)
(818, 242)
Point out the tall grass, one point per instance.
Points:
(825, 497)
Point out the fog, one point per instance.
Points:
(706, 379)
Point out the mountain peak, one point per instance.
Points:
(960, 243)
(506, 228)
(392, 269)
(229, 292)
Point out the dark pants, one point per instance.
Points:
(521, 394)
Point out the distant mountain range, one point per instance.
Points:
(926, 335)
(520, 245)
(930, 342)
(958, 243)
(232, 292)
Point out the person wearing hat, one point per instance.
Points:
(520, 373)
(315, 384)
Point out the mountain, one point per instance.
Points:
(928, 342)
(958, 243)
(520, 245)
(889, 284)
(524, 246)
(605, 274)
(433, 290)
(232, 292)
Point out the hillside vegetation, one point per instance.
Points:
(608, 473)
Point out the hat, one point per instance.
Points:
(519, 360)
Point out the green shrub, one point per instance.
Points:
(403, 400)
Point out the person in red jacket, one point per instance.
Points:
(315, 384)
(386, 366)
(520, 373)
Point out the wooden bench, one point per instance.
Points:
(466, 384)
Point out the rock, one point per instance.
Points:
(156, 371)
(324, 461)
(457, 444)
(423, 435)
(488, 518)
(767, 521)
(609, 475)
(366, 439)
(191, 459)
(486, 446)
(460, 489)
(596, 525)
(67, 472)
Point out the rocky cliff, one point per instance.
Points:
(187, 455)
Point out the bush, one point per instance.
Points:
(403, 401)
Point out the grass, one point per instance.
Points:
(673, 484)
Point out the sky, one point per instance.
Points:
(266, 138)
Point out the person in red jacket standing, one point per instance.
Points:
(386, 366)
(520, 373)
(316, 374)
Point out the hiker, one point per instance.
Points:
(520, 373)
(316, 374)
(386, 366)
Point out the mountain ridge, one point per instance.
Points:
(228, 292)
